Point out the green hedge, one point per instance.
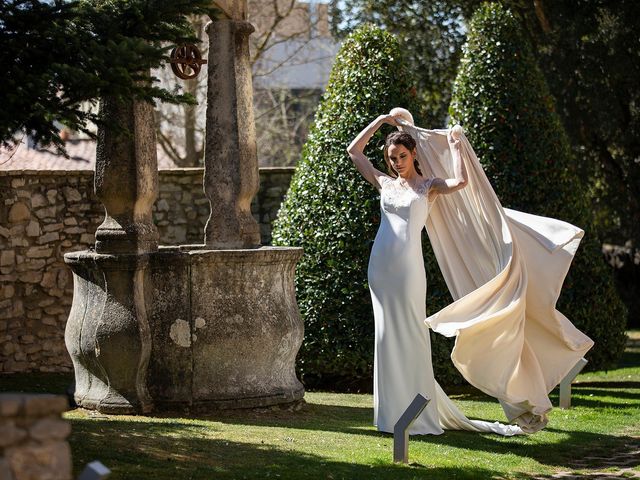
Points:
(333, 213)
(501, 98)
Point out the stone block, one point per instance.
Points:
(50, 428)
(7, 257)
(30, 277)
(87, 238)
(15, 367)
(52, 196)
(48, 238)
(33, 264)
(49, 321)
(19, 212)
(49, 461)
(5, 470)
(42, 405)
(8, 291)
(34, 314)
(33, 229)
(71, 194)
(49, 212)
(4, 232)
(39, 252)
(49, 279)
(163, 205)
(18, 182)
(70, 221)
(54, 309)
(38, 200)
(19, 242)
(31, 349)
(8, 349)
(10, 434)
(53, 227)
(62, 278)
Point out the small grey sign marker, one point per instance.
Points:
(565, 384)
(400, 429)
(94, 471)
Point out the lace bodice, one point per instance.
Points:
(399, 193)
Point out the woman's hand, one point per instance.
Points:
(388, 119)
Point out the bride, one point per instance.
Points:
(515, 353)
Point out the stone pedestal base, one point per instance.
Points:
(224, 329)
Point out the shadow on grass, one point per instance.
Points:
(135, 450)
(561, 450)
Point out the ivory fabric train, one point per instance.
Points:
(504, 269)
(402, 358)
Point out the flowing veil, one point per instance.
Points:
(504, 269)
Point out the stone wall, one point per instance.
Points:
(33, 437)
(45, 214)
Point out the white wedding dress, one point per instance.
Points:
(402, 358)
(504, 269)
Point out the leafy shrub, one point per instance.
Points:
(501, 98)
(333, 213)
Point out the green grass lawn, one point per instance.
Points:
(332, 437)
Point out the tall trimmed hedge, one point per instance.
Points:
(501, 98)
(334, 213)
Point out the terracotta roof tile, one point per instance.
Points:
(82, 156)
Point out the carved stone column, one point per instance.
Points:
(107, 334)
(126, 179)
(230, 160)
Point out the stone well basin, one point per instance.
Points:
(206, 329)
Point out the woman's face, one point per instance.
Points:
(401, 159)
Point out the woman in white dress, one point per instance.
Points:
(397, 281)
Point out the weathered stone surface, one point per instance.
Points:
(49, 461)
(126, 179)
(39, 252)
(33, 229)
(43, 405)
(230, 134)
(186, 183)
(107, 333)
(48, 238)
(7, 257)
(38, 200)
(71, 194)
(10, 405)
(19, 212)
(54, 227)
(52, 196)
(48, 212)
(50, 428)
(10, 433)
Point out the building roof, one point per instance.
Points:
(82, 156)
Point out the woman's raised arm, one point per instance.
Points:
(356, 150)
(460, 178)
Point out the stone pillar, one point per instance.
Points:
(107, 333)
(230, 160)
(33, 437)
(126, 179)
